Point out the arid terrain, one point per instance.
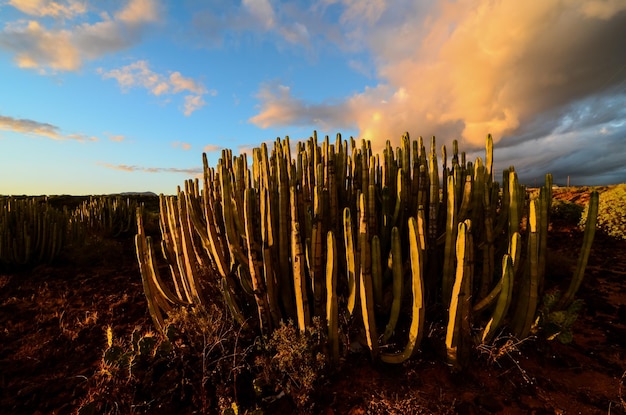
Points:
(53, 322)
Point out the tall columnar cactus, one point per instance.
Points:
(325, 231)
(457, 333)
(590, 230)
(416, 330)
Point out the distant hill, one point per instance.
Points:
(149, 194)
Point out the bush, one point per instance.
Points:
(611, 212)
(293, 363)
(194, 368)
(566, 212)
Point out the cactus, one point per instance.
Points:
(332, 308)
(527, 297)
(268, 232)
(31, 231)
(418, 307)
(590, 230)
(351, 262)
(366, 294)
(456, 336)
(396, 267)
(504, 300)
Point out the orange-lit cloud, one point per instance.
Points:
(36, 128)
(117, 138)
(210, 148)
(65, 46)
(180, 144)
(193, 103)
(460, 70)
(40, 8)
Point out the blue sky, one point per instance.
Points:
(118, 96)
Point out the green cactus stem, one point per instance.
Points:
(396, 270)
(503, 303)
(418, 307)
(332, 307)
(449, 249)
(351, 268)
(527, 298)
(365, 285)
(377, 271)
(579, 274)
(456, 340)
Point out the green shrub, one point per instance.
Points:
(611, 212)
(566, 212)
(557, 324)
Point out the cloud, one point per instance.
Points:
(193, 103)
(180, 83)
(117, 138)
(65, 9)
(67, 44)
(280, 108)
(460, 70)
(179, 144)
(210, 148)
(261, 11)
(135, 168)
(35, 47)
(36, 128)
(139, 75)
(138, 12)
(288, 24)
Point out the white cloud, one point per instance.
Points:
(139, 75)
(261, 11)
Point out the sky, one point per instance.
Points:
(100, 97)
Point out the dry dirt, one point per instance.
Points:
(52, 322)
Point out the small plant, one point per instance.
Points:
(611, 212)
(557, 324)
(292, 363)
(193, 365)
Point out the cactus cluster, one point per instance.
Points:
(31, 231)
(109, 216)
(34, 231)
(330, 228)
